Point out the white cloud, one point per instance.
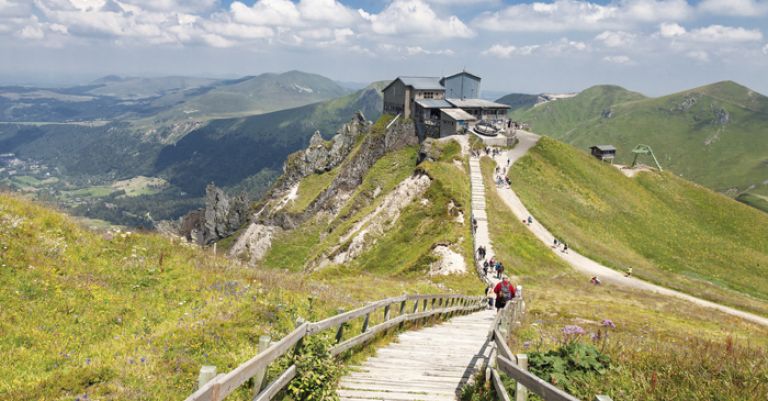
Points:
(266, 12)
(765, 49)
(562, 46)
(698, 55)
(578, 15)
(415, 17)
(616, 38)
(739, 8)
(625, 60)
(723, 34)
(671, 30)
(502, 51)
(711, 34)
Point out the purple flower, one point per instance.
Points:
(87, 361)
(573, 330)
(608, 323)
(526, 344)
(595, 336)
(143, 360)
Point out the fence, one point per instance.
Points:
(423, 306)
(516, 365)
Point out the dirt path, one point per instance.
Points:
(583, 264)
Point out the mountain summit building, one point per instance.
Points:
(445, 106)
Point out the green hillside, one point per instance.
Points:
(714, 135)
(672, 232)
(660, 349)
(559, 117)
(251, 95)
(244, 154)
(133, 316)
(518, 101)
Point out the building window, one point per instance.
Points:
(428, 95)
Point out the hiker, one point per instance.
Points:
(504, 291)
(530, 220)
(509, 183)
(490, 295)
(554, 243)
(629, 272)
(482, 252)
(485, 268)
(595, 280)
(508, 161)
(499, 269)
(565, 247)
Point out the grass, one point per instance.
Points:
(662, 348)
(134, 316)
(686, 137)
(310, 188)
(672, 232)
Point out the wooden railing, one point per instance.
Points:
(410, 308)
(516, 365)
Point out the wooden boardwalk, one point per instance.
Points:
(431, 364)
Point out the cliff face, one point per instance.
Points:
(354, 150)
(220, 217)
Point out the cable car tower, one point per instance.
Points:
(644, 150)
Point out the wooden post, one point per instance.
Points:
(521, 393)
(424, 307)
(258, 378)
(300, 343)
(207, 373)
(416, 306)
(386, 312)
(402, 308)
(365, 322)
(340, 331)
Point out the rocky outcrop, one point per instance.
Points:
(721, 116)
(429, 150)
(318, 157)
(220, 217)
(321, 156)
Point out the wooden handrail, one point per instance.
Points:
(223, 385)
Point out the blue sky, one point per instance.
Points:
(652, 46)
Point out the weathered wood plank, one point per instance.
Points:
(498, 385)
(242, 373)
(535, 384)
(278, 384)
(501, 345)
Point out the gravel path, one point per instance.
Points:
(581, 263)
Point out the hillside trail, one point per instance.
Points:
(582, 263)
(433, 363)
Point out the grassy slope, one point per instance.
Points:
(134, 317)
(672, 232)
(662, 348)
(688, 142)
(405, 250)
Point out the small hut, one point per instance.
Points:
(604, 152)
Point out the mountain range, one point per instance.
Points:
(715, 135)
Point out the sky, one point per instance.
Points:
(651, 46)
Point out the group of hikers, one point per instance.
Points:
(504, 290)
(557, 244)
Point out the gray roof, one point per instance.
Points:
(477, 103)
(463, 73)
(422, 83)
(433, 104)
(458, 114)
(604, 148)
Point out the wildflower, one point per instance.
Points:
(608, 323)
(87, 361)
(573, 330)
(526, 344)
(143, 359)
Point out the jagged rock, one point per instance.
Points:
(607, 113)
(220, 217)
(686, 104)
(429, 150)
(722, 117)
(254, 243)
(321, 156)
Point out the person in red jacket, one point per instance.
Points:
(505, 291)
